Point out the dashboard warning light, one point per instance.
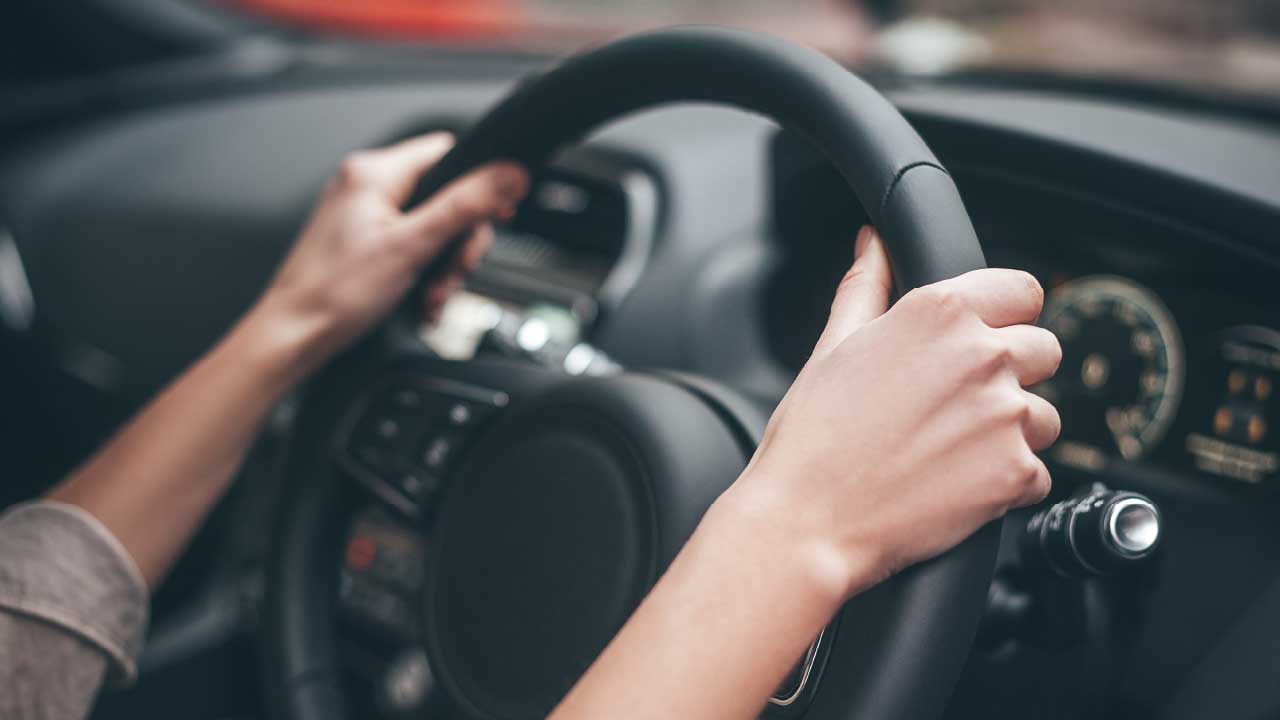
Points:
(360, 553)
(1262, 387)
(1236, 381)
(1257, 429)
(1222, 421)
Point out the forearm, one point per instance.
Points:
(155, 481)
(358, 254)
(716, 635)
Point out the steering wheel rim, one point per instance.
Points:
(906, 662)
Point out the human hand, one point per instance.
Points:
(360, 252)
(907, 430)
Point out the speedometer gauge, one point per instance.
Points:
(1122, 369)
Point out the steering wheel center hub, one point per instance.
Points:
(543, 552)
(555, 528)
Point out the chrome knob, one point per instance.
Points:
(1097, 532)
(1133, 526)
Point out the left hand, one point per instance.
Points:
(359, 253)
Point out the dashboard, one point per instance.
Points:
(1170, 352)
(1166, 387)
(707, 241)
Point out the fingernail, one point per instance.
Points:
(866, 235)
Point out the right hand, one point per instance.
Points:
(906, 430)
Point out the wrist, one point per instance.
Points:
(278, 347)
(796, 550)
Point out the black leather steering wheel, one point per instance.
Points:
(572, 500)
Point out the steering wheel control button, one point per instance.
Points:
(408, 399)
(438, 452)
(376, 605)
(389, 430)
(460, 414)
(407, 435)
(380, 439)
(418, 485)
(360, 554)
(382, 573)
(1097, 532)
(407, 685)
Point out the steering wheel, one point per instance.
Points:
(574, 494)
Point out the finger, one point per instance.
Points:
(1035, 352)
(1042, 425)
(863, 294)
(469, 256)
(489, 192)
(1037, 486)
(464, 263)
(394, 170)
(999, 296)
(436, 296)
(477, 247)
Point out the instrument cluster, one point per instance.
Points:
(1191, 392)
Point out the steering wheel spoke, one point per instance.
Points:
(402, 439)
(380, 586)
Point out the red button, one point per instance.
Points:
(360, 553)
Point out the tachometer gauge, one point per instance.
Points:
(1122, 370)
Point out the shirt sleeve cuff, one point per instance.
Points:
(61, 565)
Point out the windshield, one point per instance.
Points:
(1201, 44)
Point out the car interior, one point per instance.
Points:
(695, 196)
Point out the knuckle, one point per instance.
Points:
(1017, 408)
(911, 301)
(401, 243)
(354, 169)
(1038, 484)
(995, 352)
(942, 300)
(1010, 407)
(988, 355)
(1023, 476)
(1027, 467)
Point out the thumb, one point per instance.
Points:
(395, 169)
(863, 294)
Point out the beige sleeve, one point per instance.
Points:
(73, 611)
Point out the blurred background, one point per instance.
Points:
(163, 145)
(1230, 46)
